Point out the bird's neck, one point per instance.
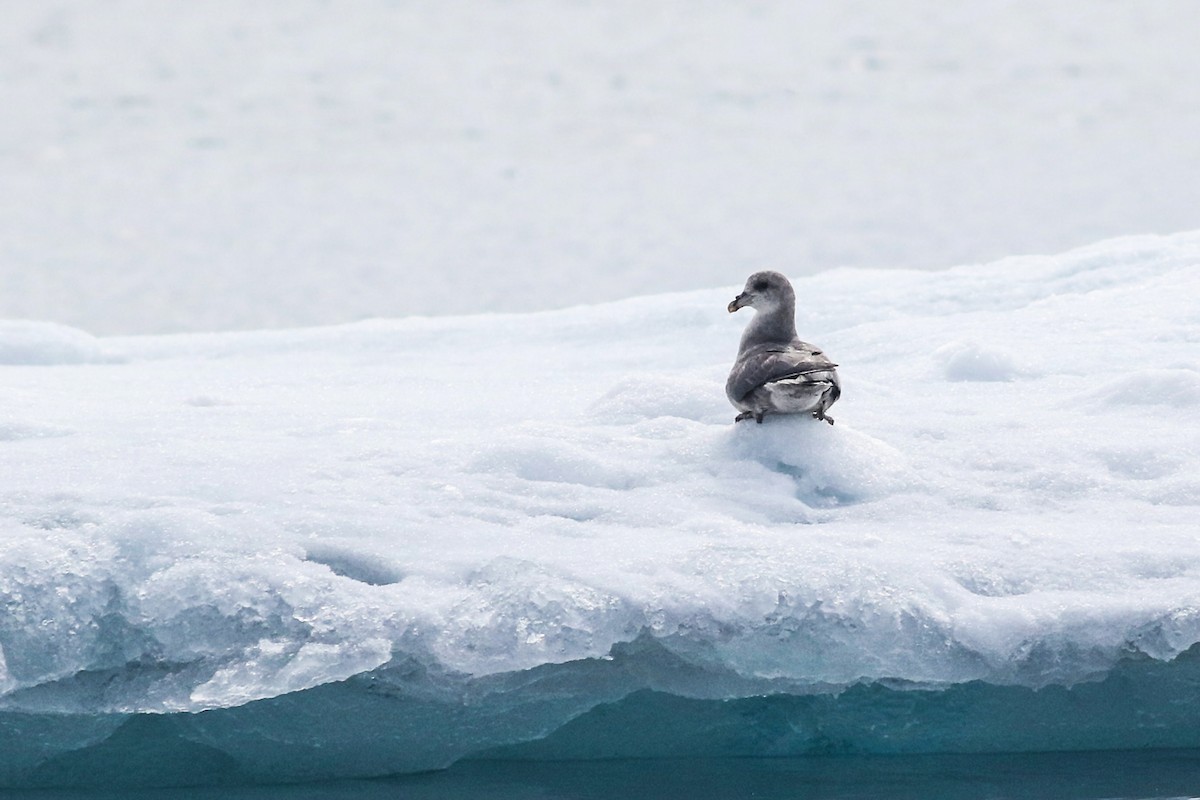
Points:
(775, 324)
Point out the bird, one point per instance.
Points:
(775, 372)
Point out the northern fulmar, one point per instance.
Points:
(775, 372)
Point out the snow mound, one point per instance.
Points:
(830, 465)
(45, 343)
(1177, 388)
(639, 397)
(968, 361)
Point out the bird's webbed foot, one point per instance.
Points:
(742, 416)
(821, 415)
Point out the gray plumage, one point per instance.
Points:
(775, 372)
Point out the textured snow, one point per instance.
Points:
(192, 166)
(1009, 494)
(23, 342)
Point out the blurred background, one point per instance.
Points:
(171, 165)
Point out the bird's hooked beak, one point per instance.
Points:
(741, 301)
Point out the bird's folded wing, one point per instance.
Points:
(756, 368)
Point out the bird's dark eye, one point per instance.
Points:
(760, 285)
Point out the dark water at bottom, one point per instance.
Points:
(1039, 776)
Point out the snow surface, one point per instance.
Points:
(1010, 493)
(176, 165)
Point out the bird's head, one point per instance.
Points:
(764, 291)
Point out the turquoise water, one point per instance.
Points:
(1047, 776)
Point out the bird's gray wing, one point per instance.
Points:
(761, 365)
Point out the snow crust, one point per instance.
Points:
(1009, 494)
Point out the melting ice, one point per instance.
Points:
(475, 532)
